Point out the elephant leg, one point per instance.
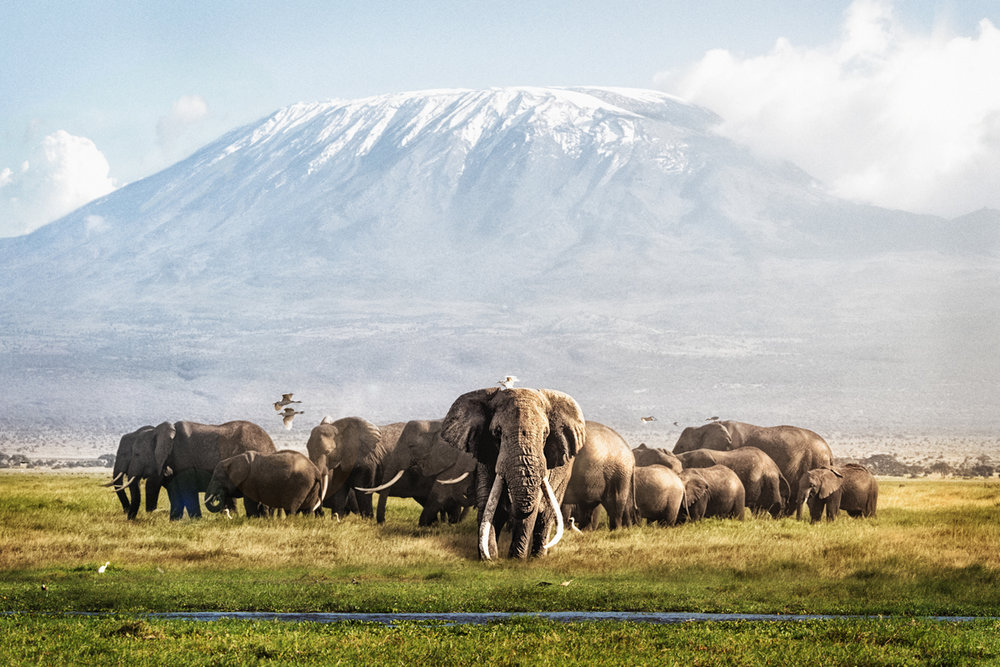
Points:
(176, 501)
(252, 508)
(429, 516)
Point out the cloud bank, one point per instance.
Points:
(63, 173)
(883, 115)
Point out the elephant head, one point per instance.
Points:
(696, 496)
(339, 446)
(710, 436)
(820, 482)
(226, 480)
(138, 459)
(517, 436)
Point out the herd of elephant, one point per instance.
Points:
(525, 458)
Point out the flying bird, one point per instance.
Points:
(507, 382)
(286, 399)
(648, 419)
(102, 568)
(712, 419)
(288, 415)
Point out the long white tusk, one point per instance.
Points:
(550, 494)
(322, 489)
(486, 522)
(113, 481)
(384, 486)
(454, 481)
(128, 480)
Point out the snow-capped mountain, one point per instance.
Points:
(388, 253)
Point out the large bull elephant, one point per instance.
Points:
(352, 450)
(766, 488)
(523, 441)
(179, 455)
(795, 450)
(602, 475)
(423, 466)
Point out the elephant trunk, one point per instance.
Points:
(153, 485)
(524, 482)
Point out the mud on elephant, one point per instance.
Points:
(523, 441)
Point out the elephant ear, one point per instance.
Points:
(465, 425)
(567, 428)
(357, 439)
(716, 436)
(695, 488)
(238, 467)
(830, 482)
(431, 454)
(165, 434)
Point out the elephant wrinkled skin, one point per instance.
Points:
(523, 441)
(713, 491)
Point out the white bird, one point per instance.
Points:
(572, 525)
(102, 568)
(648, 419)
(507, 382)
(288, 415)
(285, 400)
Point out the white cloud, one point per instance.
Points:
(883, 115)
(186, 114)
(63, 173)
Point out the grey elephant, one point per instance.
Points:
(423, 466)
(602, 477)
(795, 450)
(659, 494)
(648, 456)
(849, 487)
(523, 441)
(182, 456)
(285, 480)
(352, 450)
(766, 488)
(712, 492)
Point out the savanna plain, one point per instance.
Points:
(931, 551)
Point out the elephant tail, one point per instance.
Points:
(784, 491)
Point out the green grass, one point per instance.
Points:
(523, 641)
(931, 551)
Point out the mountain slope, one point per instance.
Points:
(391, 252)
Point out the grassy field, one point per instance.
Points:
(932, 550)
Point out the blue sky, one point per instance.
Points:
(890, 102)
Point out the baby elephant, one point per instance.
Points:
(284, 480)
(848, 487)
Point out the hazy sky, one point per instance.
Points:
(896, 103)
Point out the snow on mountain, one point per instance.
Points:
(388, 253)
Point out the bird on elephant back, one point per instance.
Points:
(602, 476)
(180, 456)
(795, 450)
(424, 467)
(523, 441)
